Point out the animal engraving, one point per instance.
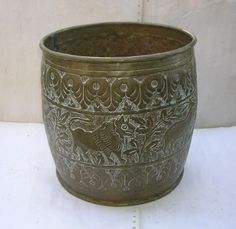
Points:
(178, 134)
(106, 139)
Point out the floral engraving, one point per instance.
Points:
(119, 133)
(108, 94)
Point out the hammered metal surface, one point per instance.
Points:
(119, 132)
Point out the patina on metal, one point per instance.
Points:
(119, 107)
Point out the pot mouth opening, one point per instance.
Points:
(117, 41)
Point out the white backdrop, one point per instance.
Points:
(23, 23)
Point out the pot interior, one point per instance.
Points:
(117, 40)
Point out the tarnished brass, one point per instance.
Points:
(119, 107)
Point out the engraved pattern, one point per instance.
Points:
(120, 133)
(113, 94)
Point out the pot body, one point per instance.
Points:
(119, 132)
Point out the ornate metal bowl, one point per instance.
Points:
(119, 107)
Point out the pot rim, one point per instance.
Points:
(144, 57)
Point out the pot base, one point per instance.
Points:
(121, 203)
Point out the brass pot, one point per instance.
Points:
(119, 107)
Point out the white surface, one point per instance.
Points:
(31, 197)
(24, 22)
(214, 24)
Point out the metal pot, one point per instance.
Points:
(119, 107)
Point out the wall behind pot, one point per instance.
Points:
(214, 24)
(23, 23)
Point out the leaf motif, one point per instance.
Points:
(173, 117)
(129, 152)
(142, 130)
(157, 130)
(139, 120)
(62, 135)
(60, 125)
(163, 115)
(58, 113)
(185, 109)
(64, 117)
(151, 145)
(149, 122)
(174, 113)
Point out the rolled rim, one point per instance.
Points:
(144, 57)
